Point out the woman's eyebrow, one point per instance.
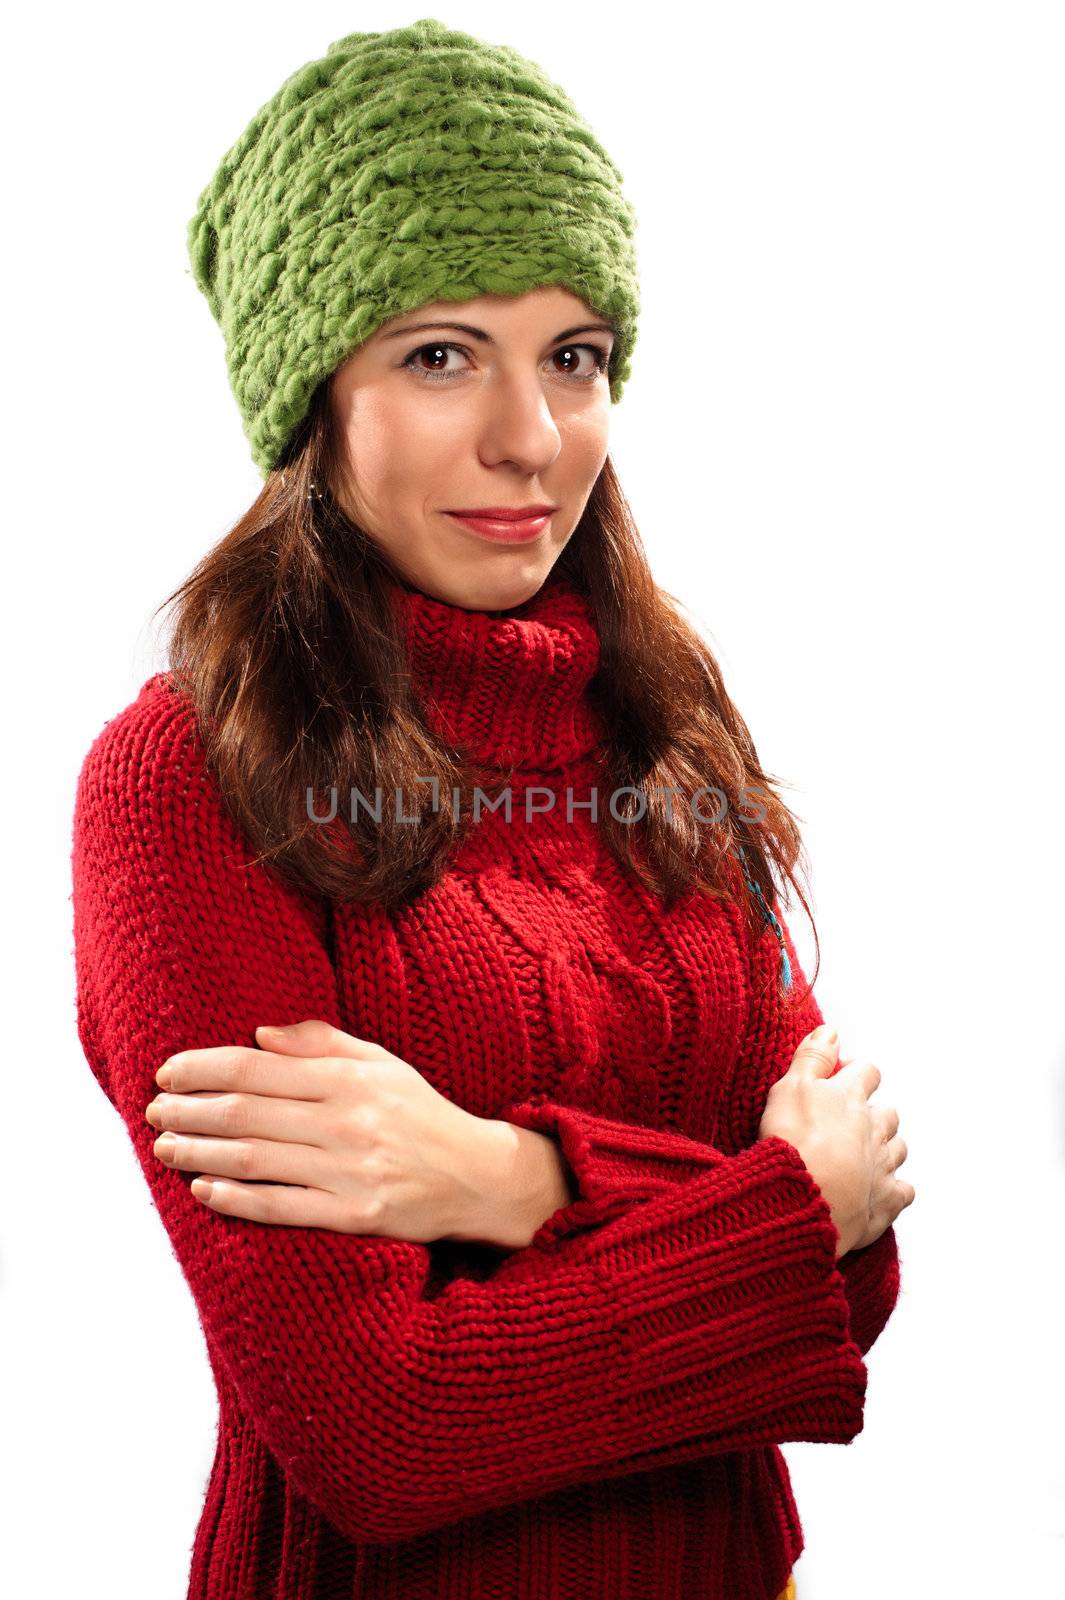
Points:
(486, 338)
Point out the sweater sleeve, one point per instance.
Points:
(708, 1319)
(616, 1165)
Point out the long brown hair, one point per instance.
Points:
(285, 642)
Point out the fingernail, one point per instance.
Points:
(825, 1035)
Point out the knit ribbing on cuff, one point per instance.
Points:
(745, 1254)
(615, 1165)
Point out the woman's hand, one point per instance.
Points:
(821, 1106)
(323, 1130)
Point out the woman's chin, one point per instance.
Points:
(498, 581)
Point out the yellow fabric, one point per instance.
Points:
(788, 1592)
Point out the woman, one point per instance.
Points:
(524, 1210)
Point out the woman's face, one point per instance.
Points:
(510, 409)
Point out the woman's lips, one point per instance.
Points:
(504, 532)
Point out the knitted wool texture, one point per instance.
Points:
(404, 167)
(601, 1412)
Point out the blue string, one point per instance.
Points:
(785, 964)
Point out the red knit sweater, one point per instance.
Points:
(595, 1417)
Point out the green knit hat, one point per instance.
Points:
(401, 168)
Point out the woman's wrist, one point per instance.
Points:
(520, 1179)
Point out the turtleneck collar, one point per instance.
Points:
(510, 688)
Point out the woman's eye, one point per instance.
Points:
(569, 353)
(597, 365)
(435, 351)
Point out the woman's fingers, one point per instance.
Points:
(314, 1038)
(253, 1160)
(236, 1116)
(890, 1119)
(239, 1069)
(282, 1204)
(818, 1053)
(897, 1151)
(249, 1160)
(904, 1192)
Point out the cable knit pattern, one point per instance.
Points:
(595, 1417)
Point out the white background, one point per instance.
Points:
(842, 440)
